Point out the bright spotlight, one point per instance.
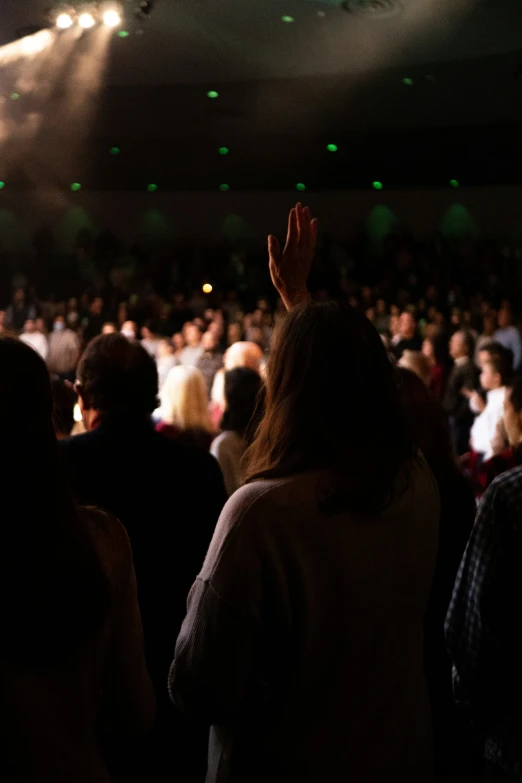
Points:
(111, 18)
(64, 21)
(86, 20)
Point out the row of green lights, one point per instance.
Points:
(152, 188)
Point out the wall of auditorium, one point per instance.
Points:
(204, 216)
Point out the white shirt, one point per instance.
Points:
(38, 341)
(485, 425)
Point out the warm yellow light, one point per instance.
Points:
(86, 21)
(64, 21)
(111, 18)
(207, 288)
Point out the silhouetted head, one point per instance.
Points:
(117, 377)
(243, 391)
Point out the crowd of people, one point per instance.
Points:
(307, 471)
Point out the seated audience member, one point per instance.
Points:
(493, 380)
(211, 360)
(193, 349)
(129, 330)
(435, 350)
(486, 338)
(31, 336)
(418, 364)
(168, 496)
(482, 626)
(242, 409)
(241, 354)
(64, 350)
(462, 376)
(165, 360)
(184, 408)
(150, 339)
(94, 319)
(408, 334)
(430, 431)
(234, 333)
(108, 328)
(64, 402)
(303, 638)
(509, 336)
(19, 311)
(178, 341)
(72, 661)
(509, 457)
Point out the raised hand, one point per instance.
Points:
(289, 270)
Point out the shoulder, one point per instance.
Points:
(225, 442)
(508, 486)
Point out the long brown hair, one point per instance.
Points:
(332, 403)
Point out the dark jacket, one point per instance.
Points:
(462, 376)
(169, 497)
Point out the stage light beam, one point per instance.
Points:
(111, 18)
(64, 21)
(86, 20)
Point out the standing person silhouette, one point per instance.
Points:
(303, 641)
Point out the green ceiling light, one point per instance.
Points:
(223, 150)
(2, 185)
(224, 187)
(332, 147)
(454, 183)
(407, 81)
(15, 96)
(300, 186)
(75, 187)
(152, 188)
(212, 94)
(115, 150)
(287, 19)
(123, 34)
(377, 185)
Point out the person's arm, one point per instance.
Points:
(473, 605)
(215, 651)
(289, 269)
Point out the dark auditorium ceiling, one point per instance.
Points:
(205, 41)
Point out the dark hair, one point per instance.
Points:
(469, 341)
(55, 594)
(496, 350)
(118, 376)
(428, 425)
(244, 396)
(64, 400)
(440, 349)
(515, 394)
(332, 403)
(500, 364)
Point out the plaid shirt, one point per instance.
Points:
(484, 623)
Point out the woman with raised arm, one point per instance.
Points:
(72, 666)
(303, 642)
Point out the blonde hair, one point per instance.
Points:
(184, 399)
(416, 362)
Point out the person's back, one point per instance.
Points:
(167, 495)
(72, 666)
(338, 693)
(55, 721)
(303, 642)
